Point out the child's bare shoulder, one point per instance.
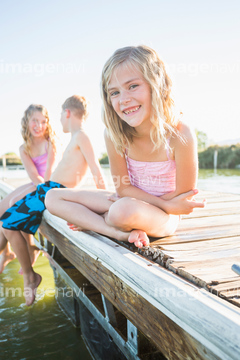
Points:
(81, 134)
(82, 138)
(22, 150)
(186, 130)
(187, 135)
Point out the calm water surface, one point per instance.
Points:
(222, 180)
(43, 330)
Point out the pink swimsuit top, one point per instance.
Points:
(156, 178)
(41, 163)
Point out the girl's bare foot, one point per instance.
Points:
(139, 238)
(5, 258)
(30, 287)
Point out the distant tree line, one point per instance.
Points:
(228, 157)
(11, 159)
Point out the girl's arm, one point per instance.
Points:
(85, 145)
(186, 158)
(50, 161)
(30, 167)
(178, 204)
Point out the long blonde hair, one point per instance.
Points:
(27, 137)
(164, 121)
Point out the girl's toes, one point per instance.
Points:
(138, 244)
(133, 236)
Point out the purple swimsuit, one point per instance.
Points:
(41, 163)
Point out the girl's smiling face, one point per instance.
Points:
(37, 124)
(130, 95)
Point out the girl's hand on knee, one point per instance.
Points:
(184, 203)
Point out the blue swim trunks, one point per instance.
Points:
(26, 214)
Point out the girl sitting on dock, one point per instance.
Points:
(38, 156)
(152, 154)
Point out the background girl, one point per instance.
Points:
(152, 153)
(38, 155)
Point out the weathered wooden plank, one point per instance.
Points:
(231, 292)
(200, 234)
(204, 250)
(216, 209)
(215, 271)
(213, 204)
(213, 197)
(189, 224)
(203, 229)
(97, 260)
(224, 286)
(204, 245)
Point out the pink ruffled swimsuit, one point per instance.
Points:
(41, 163)
(156, 178)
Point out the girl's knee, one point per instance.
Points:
(123, 212)
(50, 200)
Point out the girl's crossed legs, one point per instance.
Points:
(125, 219)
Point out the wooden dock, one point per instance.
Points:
(177, 299)
(206, 245)
(180, 292)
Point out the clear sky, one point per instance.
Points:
(50, 50)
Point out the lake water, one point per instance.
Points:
(43, 330)
(221, 180)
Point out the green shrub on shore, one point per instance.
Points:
(228, 157)
(104, 159)
(11, 159)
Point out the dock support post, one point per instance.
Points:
(132, 334)
(43, 244)
(215, 158)
(109, 311)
